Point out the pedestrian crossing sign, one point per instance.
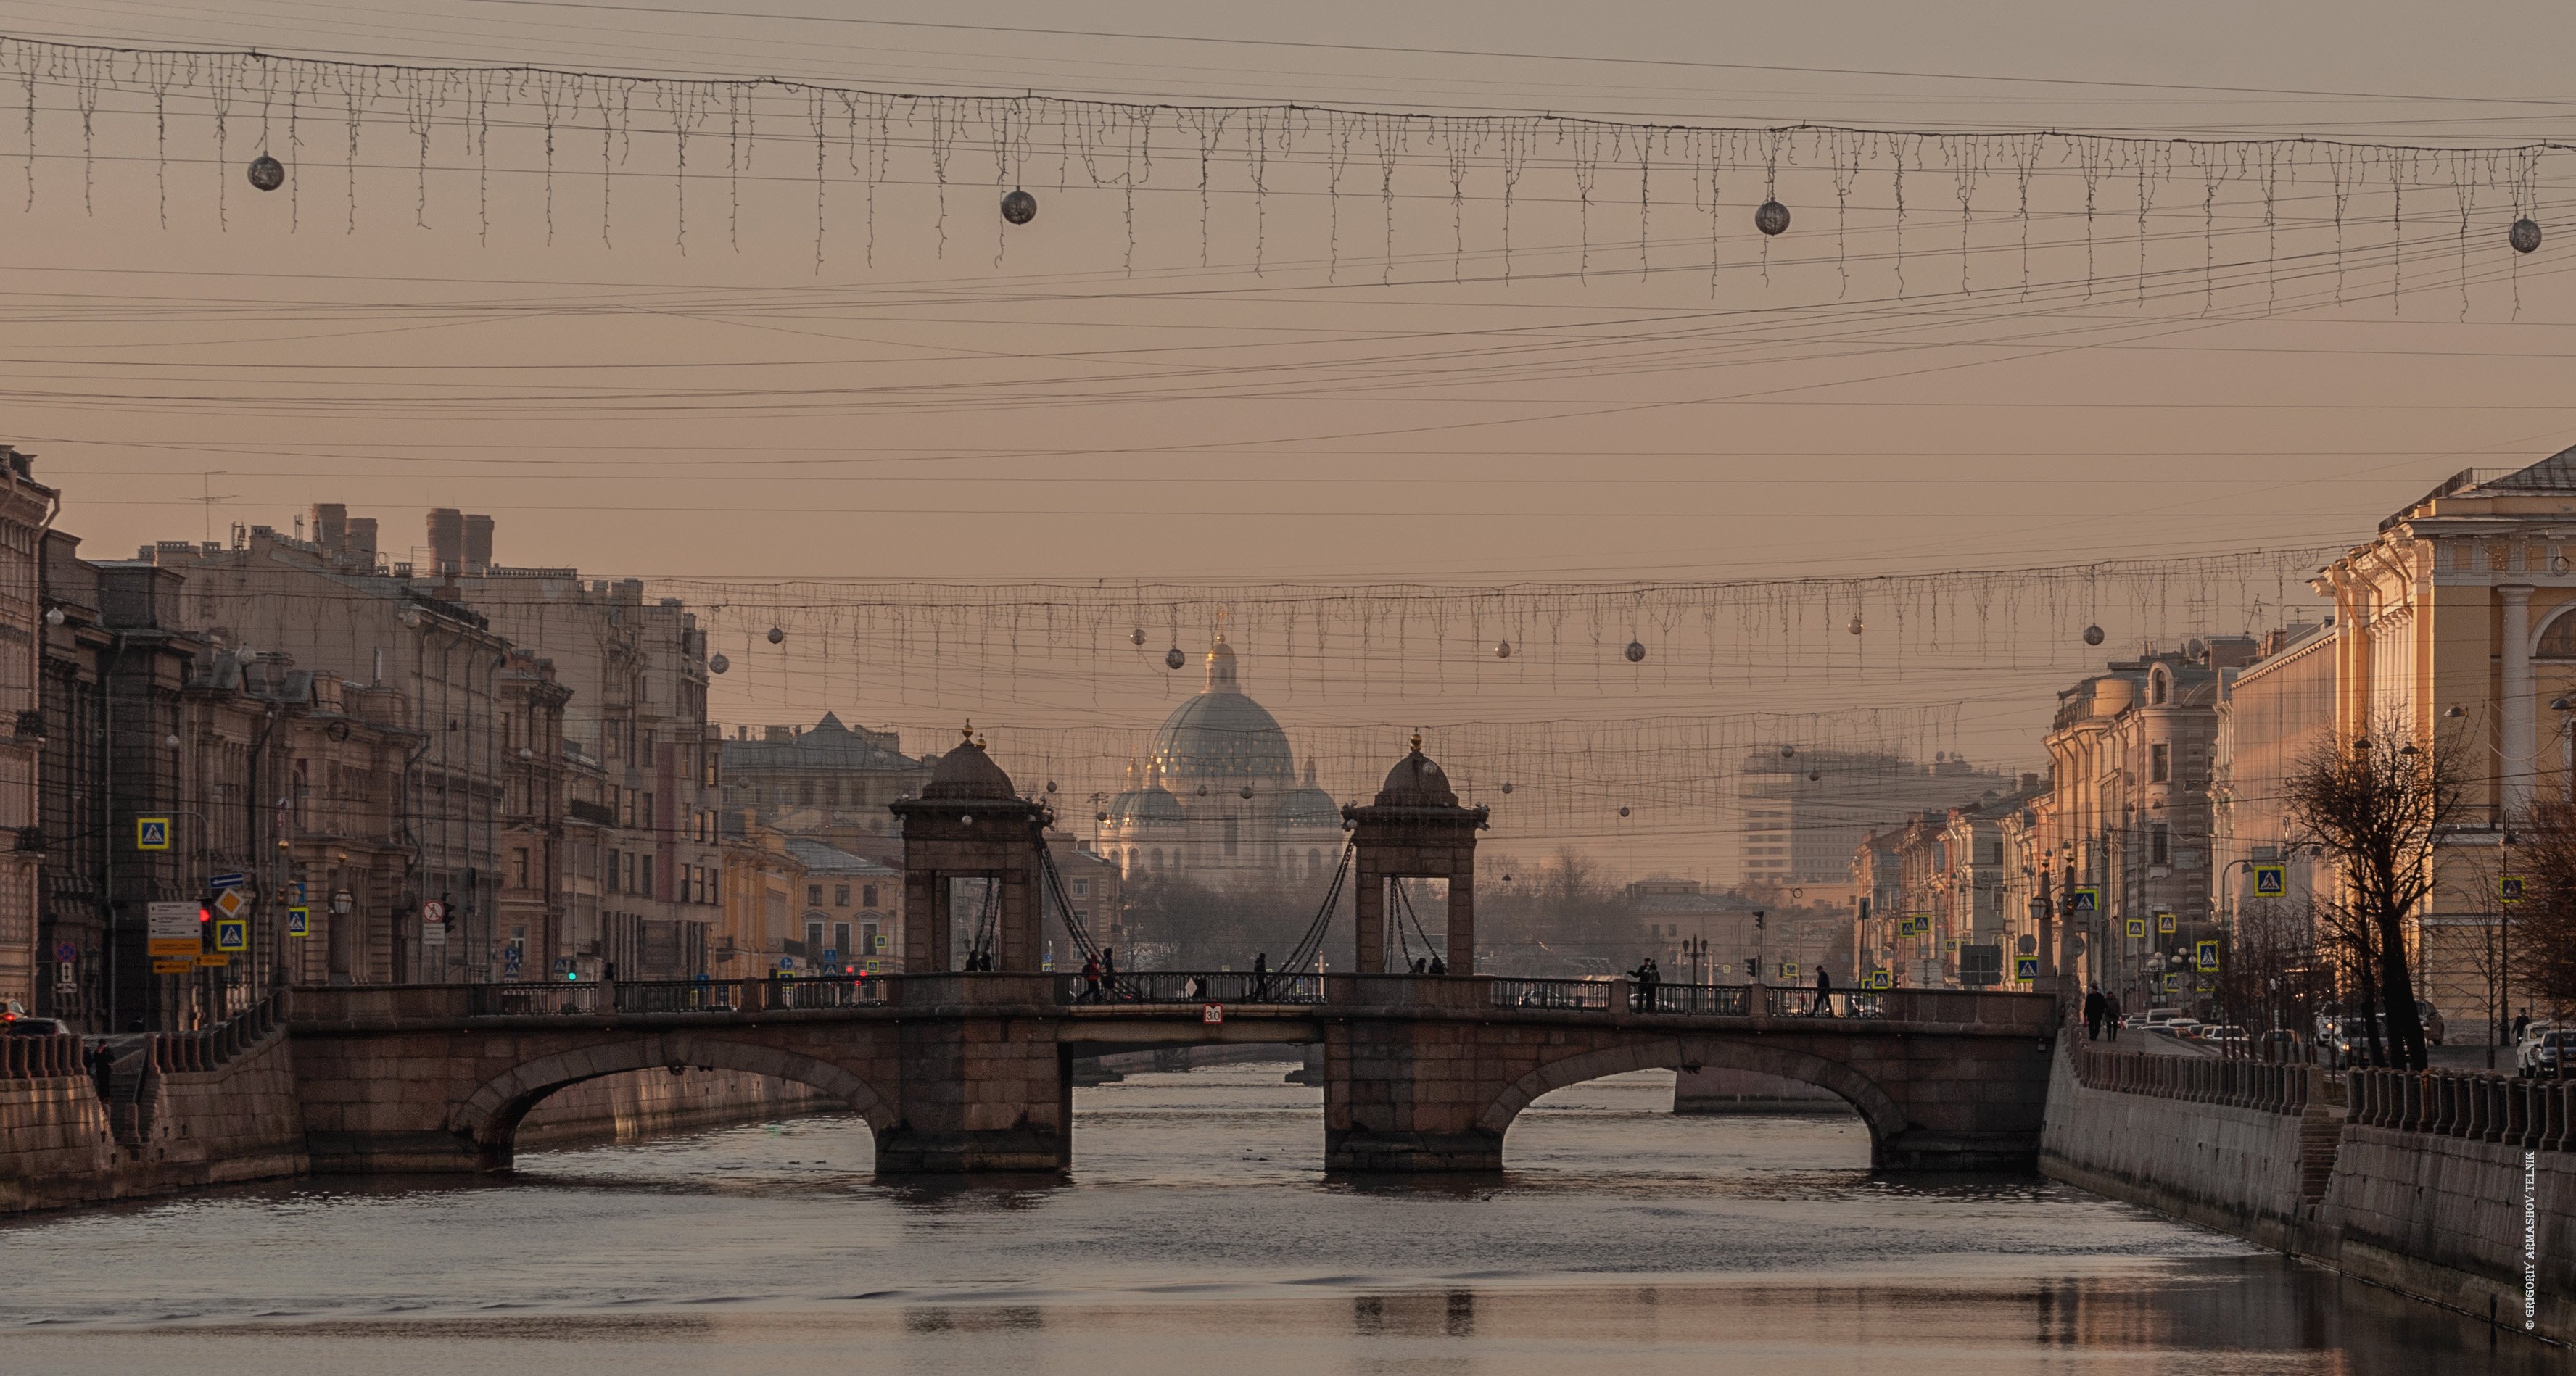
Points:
(299, 921)
(1789, 970)
(1905, 926)
(232, 934)
(1880, 979)
(2025, 968)
(2137, 929)
(2173, 981)
(2164, 920)
(2083, 902)
(151, 833)
(2509, 889)
(2205, 957)
(2271, 881)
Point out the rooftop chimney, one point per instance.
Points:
(446, 539)
(478, 543)
(362, 541)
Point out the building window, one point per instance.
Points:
(813, 895)
(869, 942)
(1081, 887)
(841, 937)
(2160, 846)
(805, 792)
(2156, 690)
(832, 795)
(645, 872)
(867, 895)
(813, 941)
(519, 865)
(613, 883)
(2159, 763)
(840, 895)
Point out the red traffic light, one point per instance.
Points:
(204, 913)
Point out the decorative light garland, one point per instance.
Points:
(1004, 142)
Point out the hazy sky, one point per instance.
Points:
(733, 408)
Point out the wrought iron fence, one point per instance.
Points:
(1788, 1002)
(1191, 987)
(1713, 1000)
(535, 999)
(1572, 994)
(549, 999)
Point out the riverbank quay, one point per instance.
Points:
(2457, 1189)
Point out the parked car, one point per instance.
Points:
(2544, 1051)
(2182, 1029)
(2228, 1035)
(35, 1027)
(2159, 1015)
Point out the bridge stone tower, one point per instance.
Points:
(1414, 830)
(967, 1099)
(969, 823)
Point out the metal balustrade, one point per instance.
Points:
(566, 999)
(1169, 987)
(1568, 995)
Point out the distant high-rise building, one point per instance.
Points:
(1800, 812)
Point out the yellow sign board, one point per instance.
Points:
(231, 903)
(163, 948)
(174, 967)
(214, 959)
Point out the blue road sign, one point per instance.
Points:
(232, 934)
(225, 881)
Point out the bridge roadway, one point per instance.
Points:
(973, 1072)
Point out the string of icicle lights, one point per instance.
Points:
(1556, 778)
(927, 642)
(591, 141)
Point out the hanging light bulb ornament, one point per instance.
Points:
(1246, 790)
(1050, 785)
(1636, 653)
(1136, 636)
(777, 635)
(1502, 649)
(717, 663)
(1854, 627)
(1202, 790)
(1814, 774)
(1772, 218)
(1019, 207)
(2525, 235)
(1788, 750)
(1623, 812)
(2092, 635)
(1507, 788)
(268, 174)
(1173, 658)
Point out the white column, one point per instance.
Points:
(2521, 699)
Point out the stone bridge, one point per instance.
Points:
(973, 1072)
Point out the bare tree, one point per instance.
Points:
(2544, 927)
(2373, 807)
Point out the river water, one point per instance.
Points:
(1198, 1236)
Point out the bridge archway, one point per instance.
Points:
(1884, 1117)
(489, 1118)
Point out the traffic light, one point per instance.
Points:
(205, 928)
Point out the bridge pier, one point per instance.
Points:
(986, 1080)
(1401, 1089)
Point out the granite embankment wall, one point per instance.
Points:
(2456, 1189)
(202, 1108)
(645, 1103)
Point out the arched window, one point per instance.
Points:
(1315, 859)
(2156, 689)
(1155, 857)
(2559, 641)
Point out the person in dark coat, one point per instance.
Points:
(1824, 994)
(2094, 1004)
(2111, 1014)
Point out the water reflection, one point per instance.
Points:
(1198, 1236)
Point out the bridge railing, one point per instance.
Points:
(536, 998)
(1560, 994)
(1165, 987)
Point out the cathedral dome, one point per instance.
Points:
(1221, 733)
(1148, 805)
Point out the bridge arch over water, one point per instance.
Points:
(1880, 1111)
(489, 1117)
